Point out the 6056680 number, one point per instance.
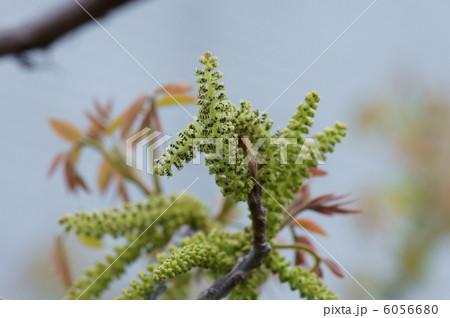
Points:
(411, 309)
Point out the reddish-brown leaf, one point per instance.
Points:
(335, 268)
(103, 111)
(339, 209)
(55, 162)
(322, 210)
(131, 113)
(145, 123)
(304, 240)
(175, 88)
(96, 127)
(317, 172)
(154, 117)
(58, 262)
(65, 129)
(104, 175)
(300, 258)
(322, 199)
(80, 182)
(309, 225)
(69, 176)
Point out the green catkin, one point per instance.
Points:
(217, 252)
(298, 278)
(132, 219)
(281, 181)
(215, 119)
(185, 210)
(212, 250)
(248, 289)
(182, 260)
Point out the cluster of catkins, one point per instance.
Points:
(218, 132)
(223, 132)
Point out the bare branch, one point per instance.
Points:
(224, 285)
(47, 29)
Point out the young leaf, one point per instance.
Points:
(80, 182)
(104, 175)
(145, 123)
(175, 88)
(175, 99)
(58, 262)
(65, 129)
(69, 176)
(317, 172)
(300, 258)
(55, 162)
(131, 113)
(74, 155)
(104, 111)
(309, 225)
(304, 240)
(335, 268)
(114, 124)
(96, 127)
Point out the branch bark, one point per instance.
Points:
(44, 31)
(224, 285)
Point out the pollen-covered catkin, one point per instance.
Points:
(298, 278)
(131, 221)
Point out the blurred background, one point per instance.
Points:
(386, 77)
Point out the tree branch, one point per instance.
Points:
(44, 31)
(224, 285)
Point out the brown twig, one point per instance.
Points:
(224, 285)
(44, 31)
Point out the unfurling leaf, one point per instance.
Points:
(175, 88)
(304, 240)
(309, 225)
(75, 154)
(55, 162)
(104, 175)
(104, 111)
(65, 129)
(69, 176)
(58, 262)
(300, 258)
(114, 124)
(335, 268)
(317, 172)
(131, 113)
(145, 123)
(80, 182)
(96, 126)
(175, 99)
